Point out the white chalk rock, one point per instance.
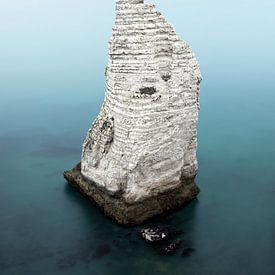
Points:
(144, 140)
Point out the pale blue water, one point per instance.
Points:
(52, 60)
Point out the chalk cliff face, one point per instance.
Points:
(144, 140)
(140, 151)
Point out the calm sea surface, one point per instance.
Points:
(52, 60)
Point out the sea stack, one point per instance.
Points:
(139, 156)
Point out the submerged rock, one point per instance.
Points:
(162, 239)
(139, 156)
(187, 252)
(172, 247)
(101, 250)
(154, 234)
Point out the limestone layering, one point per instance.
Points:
(139, 156)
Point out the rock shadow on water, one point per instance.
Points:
(84, 256)
(187, 252)
(56, 151)
(56, 146)
(102, 228)
(91, 213)
(11, 259)
(116, 237)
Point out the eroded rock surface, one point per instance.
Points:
(143, 142)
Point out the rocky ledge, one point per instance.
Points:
(126, 213)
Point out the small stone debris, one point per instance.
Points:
(152, 235)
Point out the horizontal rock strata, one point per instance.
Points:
(143, 142)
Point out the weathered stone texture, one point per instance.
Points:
(143, 143)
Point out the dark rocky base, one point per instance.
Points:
(118, 209)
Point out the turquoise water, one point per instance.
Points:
(52, 56)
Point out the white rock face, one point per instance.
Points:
(144, 140)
